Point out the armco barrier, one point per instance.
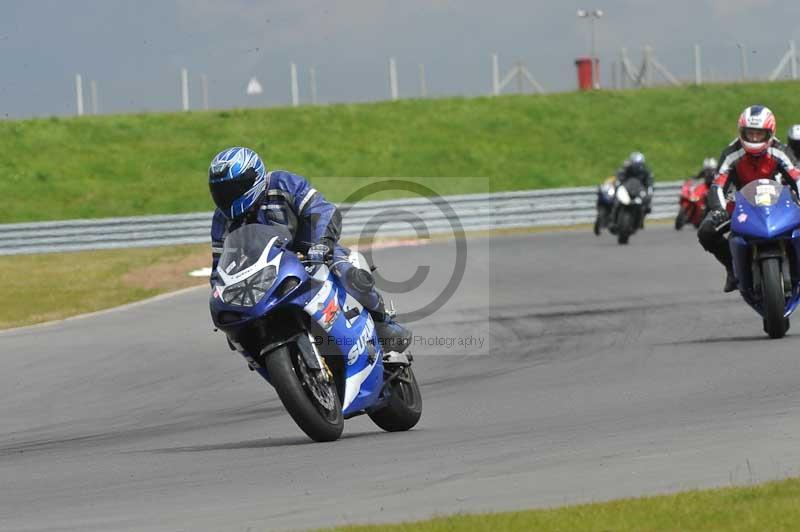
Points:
(407, 217)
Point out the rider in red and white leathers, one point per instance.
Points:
(755, 154)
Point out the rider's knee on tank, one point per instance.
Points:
(358, 281)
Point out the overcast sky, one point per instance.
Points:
(134, 49)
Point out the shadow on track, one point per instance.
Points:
(265, 443)
(722, 340)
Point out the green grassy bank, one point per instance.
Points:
(767, 507)
(156, 163)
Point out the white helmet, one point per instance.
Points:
(636, 157)
(709, 163)
(756, 129)
(794, 133)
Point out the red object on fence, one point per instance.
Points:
(584, 66)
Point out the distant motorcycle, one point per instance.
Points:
(605, 201)
(629, 209)
(692, 203)
(297, 327)
(765, 244)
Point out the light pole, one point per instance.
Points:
(592, 16)
(742, 60)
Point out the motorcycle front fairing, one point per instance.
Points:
(294, 288)
(354, 338)
(765, 217)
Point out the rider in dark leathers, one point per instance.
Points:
(245, 193)
(636, 168)
(793, 142)
(708, 172)
(755, 154)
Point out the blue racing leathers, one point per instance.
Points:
(290, 200)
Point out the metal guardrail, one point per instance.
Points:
(408, 217)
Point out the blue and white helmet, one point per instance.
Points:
(237, 178)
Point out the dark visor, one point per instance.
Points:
(225, 191)
(752, 134)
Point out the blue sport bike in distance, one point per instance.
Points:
(765, 243)
(315, 344)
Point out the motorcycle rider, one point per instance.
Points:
(635, 168)
(793, 141)
(605, 199)
(244, 192)
(708, 172)
(638, 169)
(755, 154)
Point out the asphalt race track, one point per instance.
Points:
(606, 371)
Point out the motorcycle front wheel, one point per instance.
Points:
(405, 404)
(680, 220)
(775, 325)
(624, 226)
(311, 400)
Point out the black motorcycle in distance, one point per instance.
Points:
(628, 212)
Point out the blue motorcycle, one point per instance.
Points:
(605, 201)
(765, 243)
(315, 344)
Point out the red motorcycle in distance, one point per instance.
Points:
(692, 203)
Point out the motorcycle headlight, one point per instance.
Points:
(248, 292)
(623, 196)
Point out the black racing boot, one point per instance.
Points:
(392, 335)
(731, 283)
(723, 255)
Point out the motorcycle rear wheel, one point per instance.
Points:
(313, 403)
(405, 405)
(680, 220)
(772, 297)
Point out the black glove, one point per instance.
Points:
(717, 217)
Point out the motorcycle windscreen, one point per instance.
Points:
(245, 245)
(762, 193)
(764, 209)
(634, 187)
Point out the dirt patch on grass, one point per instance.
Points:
(169, 273)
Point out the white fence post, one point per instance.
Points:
(623, 69)
(79, 93)
(295, 87)
(185, 89)
(742, 60)
(93, 86)
(788, 57)
(698, 76)
(495, 75)
(393, 79)
(523, 72)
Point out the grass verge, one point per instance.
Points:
(55, 286)
(766, 507)
(58, 285)
(157, 163)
